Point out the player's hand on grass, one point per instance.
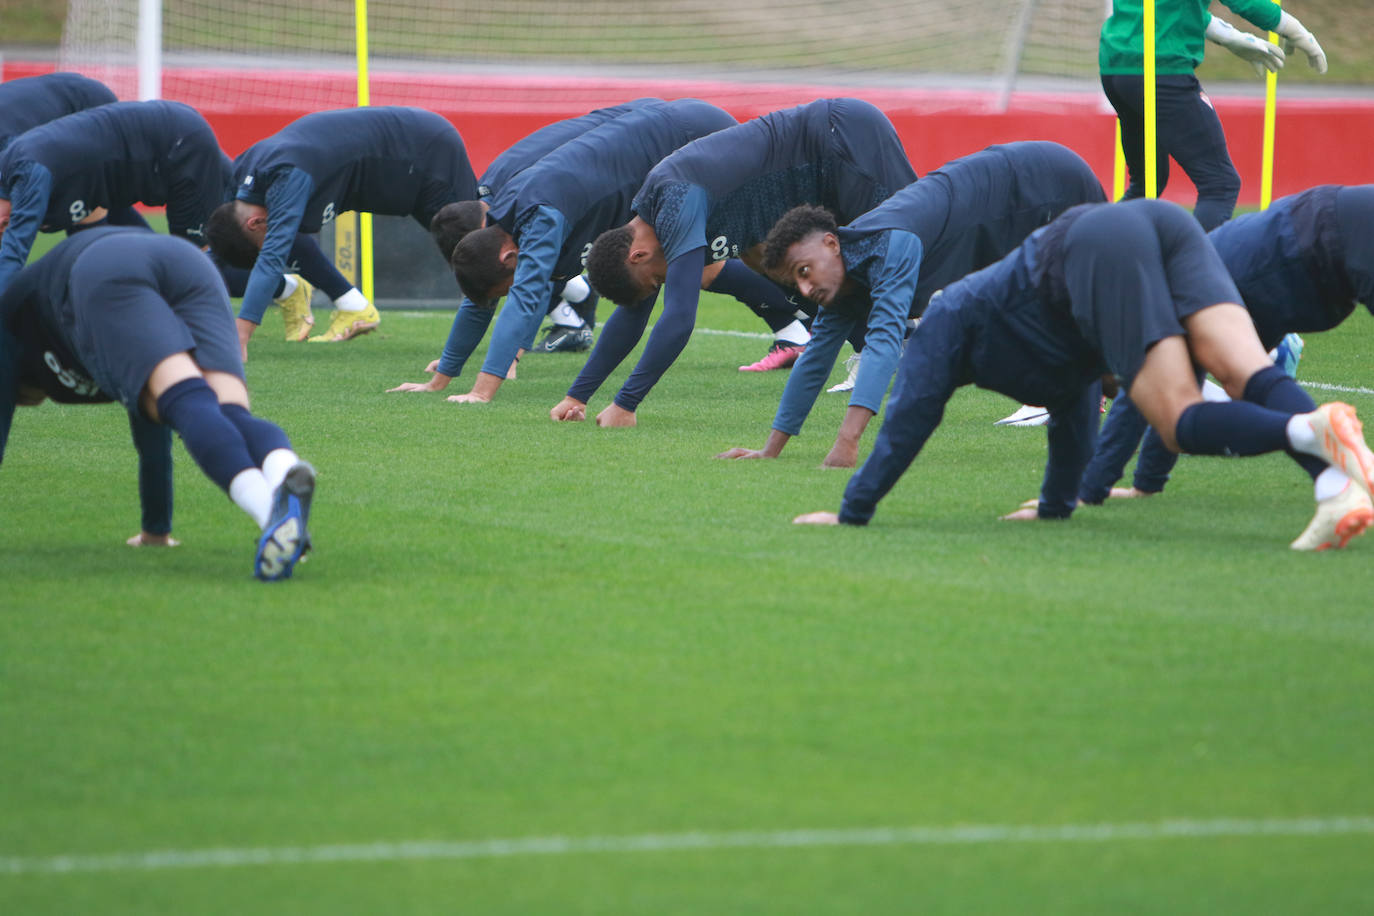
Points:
(1128, 493)
(472, 397)
(1029, 513)
(615, 415)
(569, 409)
(817, 518)
(144, 539)
(437, 381)
(738, 452)
(843, 454)
(246, 329)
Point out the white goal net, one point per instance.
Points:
(267, 53)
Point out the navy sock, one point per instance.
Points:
(1275, 389)
(259, 435)
(190, 408)
(312, 264)
(1231, 428)
(764, 297)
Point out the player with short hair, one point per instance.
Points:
(97, 163)
(572, 306)
(543, 222)
(27, 102)
(879, 271)
(389, 160)
(1131, 289)
(716, 199)
(1300, 266)
(1187, 126)
(123, 314)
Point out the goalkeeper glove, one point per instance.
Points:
(1261, 54)
(1295, 36)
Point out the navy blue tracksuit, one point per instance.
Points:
(1301, 266)
(718, 197)
(1087, 294)
(556, 207)
(112, 156)
(959, 218)
(390, 160)
(34, 100)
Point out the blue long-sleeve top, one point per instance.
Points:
(36, 351)
(1006, 328)
(33, 100)
(394, 161)
(959, 218)
(529, 149)
(1303, 264)
(556, 207)
(721, 195)
(112, 156)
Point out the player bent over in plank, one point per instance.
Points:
(124, 314)
(716, 199)
(573, 303)
(544, 220)
(880, 270)
(1300, 266)
(1132, 289)
(389, 160)
(27, 102)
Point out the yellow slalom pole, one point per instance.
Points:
(1271, 92)
(364, 99)
(1151, 163)
(1118, 167)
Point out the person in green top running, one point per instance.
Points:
(1188, 127)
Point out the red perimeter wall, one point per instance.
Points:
(1316, 141)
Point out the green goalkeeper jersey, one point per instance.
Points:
(1179, 27)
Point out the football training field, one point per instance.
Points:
(548, 668)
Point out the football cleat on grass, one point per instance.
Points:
(1339, 518)
(1027, 415)
(780, 356)
(286, 538)
(851, 366)
(563, 339)
(1341, 438)
(347, 325)
(295, 311)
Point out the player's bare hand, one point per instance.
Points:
(433, 366)
(1029, 513)
(738, 452)
(144, 539)
(1128, 493)
(817, 518)
(437, 381)
(842, 455)
(472, 397)
(569, 409)
(615, 415)
(245, 329)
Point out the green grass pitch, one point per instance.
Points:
(515, 629)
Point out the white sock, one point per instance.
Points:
(250, 492)
(576, 290)
(289, 282)
(351, 301)
(276, 464)
(1330, 482)
(1213, 392)
(564, 316)
(794, 333)
(1301, 436)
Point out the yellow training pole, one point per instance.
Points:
(364, 99)
(1151, 163)
(1118, 167)
(1271, 91)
